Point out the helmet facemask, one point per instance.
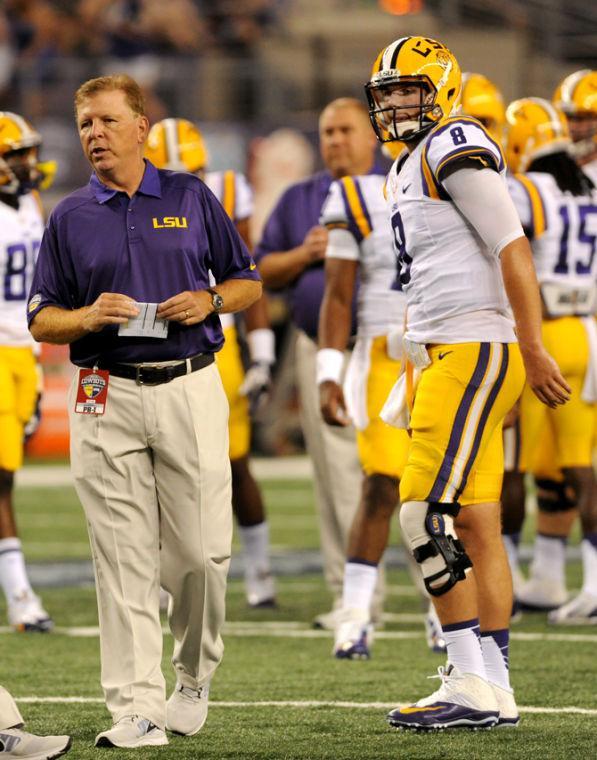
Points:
(395, 120)
(20, 171)
(583, 132)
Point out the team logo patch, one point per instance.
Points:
(170, 221)
(34, 302)
(435, 524)
(92, 385)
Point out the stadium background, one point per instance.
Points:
(255, 74)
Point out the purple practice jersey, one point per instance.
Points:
(297, 211)
(162, 241)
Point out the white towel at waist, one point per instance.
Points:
(395, 411)
(355, 382)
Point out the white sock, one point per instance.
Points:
(589, 567)
(511, 548)
(549, 559)
(255, 541)
(359, 585)
(13, 575)
(495, 655)
(464, 647)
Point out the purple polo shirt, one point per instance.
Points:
(162, 241)
(296, 212)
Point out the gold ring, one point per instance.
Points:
(186, 313)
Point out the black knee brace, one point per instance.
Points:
(442, 544)
(554, 496)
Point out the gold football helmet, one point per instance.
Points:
(534, 128)
(176, 144)
(418, 69)
(20, 171)
(482, 99)
(576, 95)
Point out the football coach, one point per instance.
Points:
(123, 277)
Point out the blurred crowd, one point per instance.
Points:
(36, 32)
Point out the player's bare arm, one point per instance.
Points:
(192, 306)
(257, 315)
(56, 325)
(334, 331)
(280, 268)
(520, 281)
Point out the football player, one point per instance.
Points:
(463, 255)
(481, 99)
(178, 145)
(576, 95)
(557, 204)
(21, 229)
(360, 249)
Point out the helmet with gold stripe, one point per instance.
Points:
(482, 99)
(20, 171)
(178, 145)
(415, 83)
(534, 128)
(576, 95)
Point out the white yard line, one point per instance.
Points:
(268, 468)
(298, 630)
(304, 704)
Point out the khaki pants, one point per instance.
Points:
(9, 712)
(153, 476)
(337, 474)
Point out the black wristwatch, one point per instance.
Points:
(216, 300)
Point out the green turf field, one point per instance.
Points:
(322, 708)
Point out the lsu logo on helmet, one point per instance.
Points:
(178, 145)
(534, 128)
(415, 83)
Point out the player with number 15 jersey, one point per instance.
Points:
(557, 204)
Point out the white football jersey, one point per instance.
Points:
(357, 205)
(233, 192)
(563, 233)
(21, 231)
(453, 283)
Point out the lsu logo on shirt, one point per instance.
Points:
(170, 221)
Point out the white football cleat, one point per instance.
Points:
(582, 610)
(186, 710)
(463, 700)
(260, 589)
(354, 636)
(15, 743)
(434, 634)
(541, 594)
(25, 614)
(130, 732)
(509, 717)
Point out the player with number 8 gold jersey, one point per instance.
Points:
(462, 256)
